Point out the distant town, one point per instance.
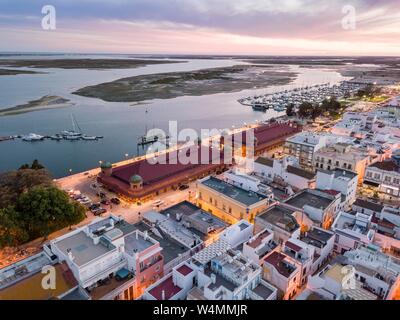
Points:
(313, 215)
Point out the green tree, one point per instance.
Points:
(11, 234)
(36, 165)
(14, 183)
(305, 109)
(44, 210)
(290, 110)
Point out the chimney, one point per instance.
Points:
(213, 278)
(145, 235)
(137, 234)
(163, 295)
(70, 255)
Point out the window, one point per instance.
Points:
(388, 179)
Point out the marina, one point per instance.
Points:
(70, 135)
(122, 122)
(279, 101)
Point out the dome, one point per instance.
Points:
(136, 179)
(106, 165)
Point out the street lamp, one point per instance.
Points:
(126, 155)
(70, 171)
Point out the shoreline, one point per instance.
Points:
(201, 82)
(44, 103)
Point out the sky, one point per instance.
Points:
(226, 27)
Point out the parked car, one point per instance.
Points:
(102, 194)
(183, 187)
(115, 201)
(105, 202)
(95, 206)
(99, 212)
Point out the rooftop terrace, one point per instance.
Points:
(306, 197)
(83, 248)
(247, 198)
(281, 217)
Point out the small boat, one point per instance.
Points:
(89, 138)
(33, 137)
(72, 138)
(259, 107)
(143, 140)
(56, 137)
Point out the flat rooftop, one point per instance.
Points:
(171, 248)
(263, 290)
(199, 219)
(305, 197)
(31, 288)
(22, 269)
(238, 194)
(219, 281)
(280, 216)
(135, 242)
(317, 237)
(82, 248)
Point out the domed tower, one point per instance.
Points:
(136, 182)
(106, 168)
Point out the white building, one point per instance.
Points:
(259, 246)
(339, 180)
(321, 206)
(283, 272)
(286, 170)
(352, 230)
(378, 272)
(386, 177)
(247, 182)
(328, 284)
(92, 252)
(237, 233)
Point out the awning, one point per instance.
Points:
(123, 273)
(372, 184)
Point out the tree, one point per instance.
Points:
(14, 183)
(11, 234)
(290, 110)
(305, 109)
(36, 165)
(44, 210)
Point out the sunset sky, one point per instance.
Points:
(267, 27)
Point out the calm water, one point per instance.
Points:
(120, 123)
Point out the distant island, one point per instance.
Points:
(191, 83)
(92, 64)
(46, 102)
(11, 72)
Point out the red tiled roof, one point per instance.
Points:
(168, 287)
(331, 192)
(256, 242)
(276, 260)
(157, 176)
(184, 270)
(386, 166)
(269, 133)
